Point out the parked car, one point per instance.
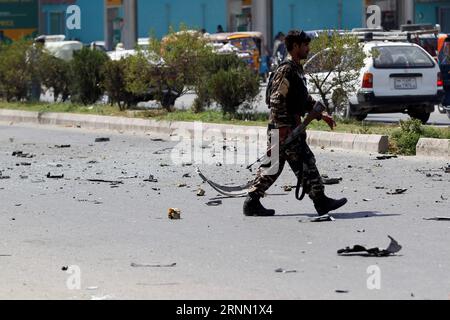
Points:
(398, 77)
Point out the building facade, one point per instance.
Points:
(116, 21)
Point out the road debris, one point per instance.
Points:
(174, 214)
(181, 185)
(201, 192)
(55, 176)
(152, 179)
(214, 203)
(367, 200)
(330, 181)
(2, 177)
(20, 154)
(397, 191)
(287, 188)
(138, 265)
(386, 157)
(24, 164)
(324, 218)
(102, 140)
(437, 219)
(105, 181)
(63, 146)
(281, 270)
(342, 291)
(393, 248)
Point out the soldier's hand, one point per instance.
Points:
(329, 120)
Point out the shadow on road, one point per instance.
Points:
(343, 216)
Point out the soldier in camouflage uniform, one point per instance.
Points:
(289, 101)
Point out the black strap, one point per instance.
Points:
(301, 181)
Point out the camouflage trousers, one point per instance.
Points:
(302, 162)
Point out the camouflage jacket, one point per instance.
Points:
(289, 97)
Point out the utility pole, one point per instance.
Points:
(130, 24)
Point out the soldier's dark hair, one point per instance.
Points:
(296, 36)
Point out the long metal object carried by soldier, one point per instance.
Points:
(239, 191)
(295, 135)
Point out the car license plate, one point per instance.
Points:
(405, 83)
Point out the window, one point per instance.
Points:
(398, 57)
(56, 23)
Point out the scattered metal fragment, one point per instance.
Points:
(174, 214)
(2, 177)
(287, 188)
(24, 164)
(281, 270)
(186, 175)
(181, 185)
(151, 178)
(65, 268)
(51, 176)
(393, 248)
(386, 157)
(156, 189)
(361, 231)
(342, 291)
(20, 154)
(63, 146)
(102, 140)
(139, 265)
(214, 203)
(157, 140)
(397, 191)
(105, 181)
(200, 192)
(330, 181)
(324, 218)
(367, 200)
(437, 219)
(163, 151)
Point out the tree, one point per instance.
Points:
(16, 69)
(114, 83)
(184, 55)
(231, 88)
(334, 69)
(86, 72)
(55, 73)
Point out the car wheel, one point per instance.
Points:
(422, 116)
(441, 109)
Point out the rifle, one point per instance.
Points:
(315, 114)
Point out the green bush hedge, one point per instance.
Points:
(87, 76)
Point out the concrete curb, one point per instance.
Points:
(433, 148)
(347, 141)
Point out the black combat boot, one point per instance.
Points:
(325, 205)
(254, 208)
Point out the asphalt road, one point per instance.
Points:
(113, 236)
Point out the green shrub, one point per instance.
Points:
(115, 85)
(55, 74)
(408, 136)
(231, 88)
(212, 64)
(16, 71)
(86, 71)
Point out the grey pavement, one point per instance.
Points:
(47, 224)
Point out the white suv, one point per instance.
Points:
(400, 77)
